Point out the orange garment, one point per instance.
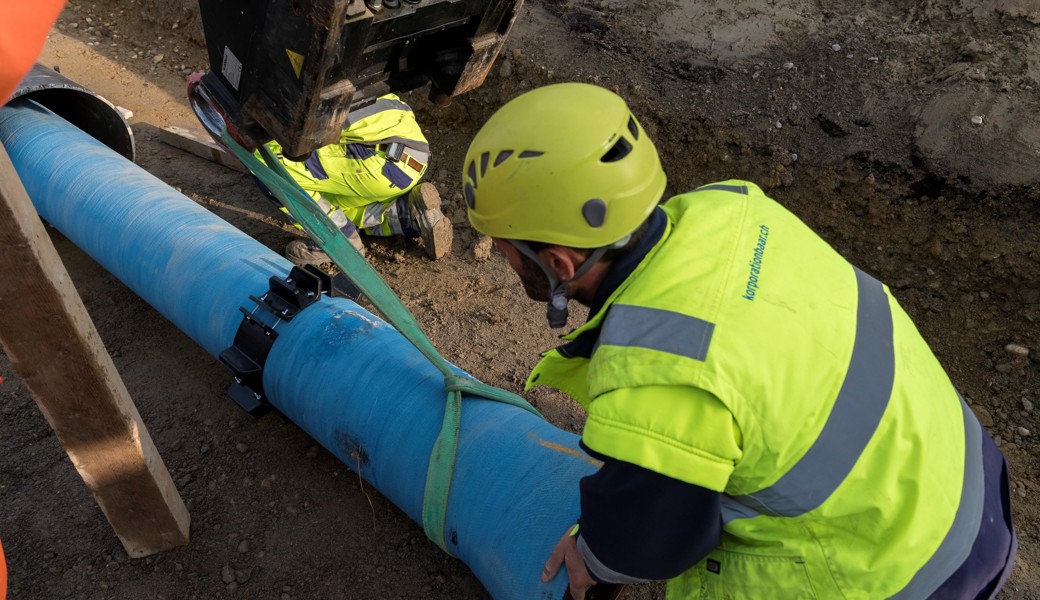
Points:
(23, 29)
(3, 575)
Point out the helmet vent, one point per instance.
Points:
(619, 150)
(530, 154)
(595, 212)
(472, 172)
(471, 197)
(484, 158)
(502, 156)
(633, 128)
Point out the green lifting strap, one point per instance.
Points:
(317, 225)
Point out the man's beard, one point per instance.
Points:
(534, 280)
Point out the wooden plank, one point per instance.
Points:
(53, 345)
(199, 144)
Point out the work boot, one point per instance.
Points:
(434, 228)
(301, 253)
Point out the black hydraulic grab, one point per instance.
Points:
(291, 70)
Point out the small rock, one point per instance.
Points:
(74, 25)
(985, 419)
(778, 125)
(243, 546)
(227, 574)
(380, 570)
(506, 69)
(204, 449)
(872, 59)
(1016, 349)
(482, 249)
(241, 447)
(232, 587)
(313, 451)
(1027, 405)
(1004, 368)
(794, 157)
(788, 65)
(1022, 431)
(976, 120)
(286, 596)
(836, 47)
(157, 58)
(243, 575)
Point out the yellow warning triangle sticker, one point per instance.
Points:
(297, 61)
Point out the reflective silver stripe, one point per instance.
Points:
(956, 546)
(414, 147)
(381, 105)
(334, 213)
(601, 571)
(857, 411)
(736, 189)
(656, 329)
(419, 155)
(732, 510)
(373, 215)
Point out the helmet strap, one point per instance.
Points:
(556, 309)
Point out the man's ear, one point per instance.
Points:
(563, 261)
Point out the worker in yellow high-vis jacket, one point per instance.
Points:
(369, 181)
(771, 423)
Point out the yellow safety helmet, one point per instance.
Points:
(564, 164)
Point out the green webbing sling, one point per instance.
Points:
(306, 213)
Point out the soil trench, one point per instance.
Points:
(906, 133)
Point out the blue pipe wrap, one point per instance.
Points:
(344, 376)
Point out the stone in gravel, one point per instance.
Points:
(157, 58)
(1004, 368)
(232, 587)
(506, 69)
(985, 419)
(241, 447)
(1016, 349)
(1027, 405)
(227, 574)
(243, 575)
(976, 120)
(313, 451)
(836, 47)
(1022, 431)
(482, 248)
(788, 65)
(243, 546)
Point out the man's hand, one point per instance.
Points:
(566, 551)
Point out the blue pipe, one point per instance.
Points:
(344, 376)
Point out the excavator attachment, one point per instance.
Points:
(291, 70)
